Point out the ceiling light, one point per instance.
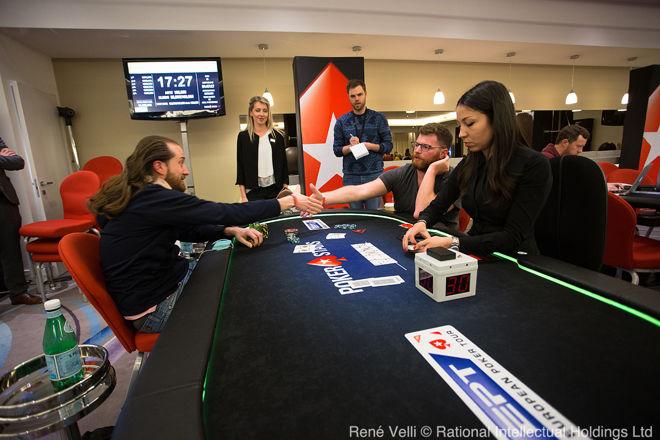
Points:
(572, 98)
(625, 97)
(510, 55)
(269, 96)
(439, 97)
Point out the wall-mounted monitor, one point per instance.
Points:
(174, 88)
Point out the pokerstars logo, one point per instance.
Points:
(329, 261)
(331, 265)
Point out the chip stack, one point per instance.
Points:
(261, 227)
(347, 226)
(292, 235)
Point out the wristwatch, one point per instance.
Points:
(455, 243)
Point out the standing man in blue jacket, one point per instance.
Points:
(362, 136)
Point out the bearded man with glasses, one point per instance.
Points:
(414, 185)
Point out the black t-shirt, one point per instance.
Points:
(403, 184)
(140, 261)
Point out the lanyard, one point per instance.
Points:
(359, 130)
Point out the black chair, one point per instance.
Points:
(292, 159)
(572, 224)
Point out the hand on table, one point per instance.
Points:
(248, 236)
(432, 242)
(418, 228)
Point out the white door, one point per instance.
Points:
(44, 147)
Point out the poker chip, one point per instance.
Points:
(347, 226)
(261, 227)
(294, 239)
(292, 235)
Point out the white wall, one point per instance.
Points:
(23, 65)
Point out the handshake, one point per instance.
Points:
(307, 205)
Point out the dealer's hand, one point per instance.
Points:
(418, 229)
(248, 236)
(432, 242)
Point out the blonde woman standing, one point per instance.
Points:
(261, 170)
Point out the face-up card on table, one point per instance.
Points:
(335, 235)
(503, 403)
(303, 248)
(376, 282)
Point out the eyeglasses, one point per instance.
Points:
(424, 147)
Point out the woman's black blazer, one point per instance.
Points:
(247, 151)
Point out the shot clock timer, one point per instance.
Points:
(444, 274)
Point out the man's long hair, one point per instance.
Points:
(117, 192)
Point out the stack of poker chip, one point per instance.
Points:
(261, 227)
(292, 235)
(347, 226)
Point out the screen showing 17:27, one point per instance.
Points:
(174, 86)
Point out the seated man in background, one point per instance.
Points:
(418, 181)
(570, 142)
(143, 212)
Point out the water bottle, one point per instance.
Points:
(61, 348)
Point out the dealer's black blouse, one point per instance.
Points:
(498, 224)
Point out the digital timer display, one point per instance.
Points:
(457, 284)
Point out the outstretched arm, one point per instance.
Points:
(350, 193)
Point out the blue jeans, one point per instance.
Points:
(156, 320)
(354, 179)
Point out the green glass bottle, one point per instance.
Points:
(61, 348)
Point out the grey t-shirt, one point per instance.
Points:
(402, 182)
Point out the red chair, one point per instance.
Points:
(42, 237)
(464, 220)
(607, 168)
(627, 175)
(645, 217)
(104, 166)
(623, 249)
(80, 254)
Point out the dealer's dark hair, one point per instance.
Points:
(117, 192)
(442, 134)
(354, 83)
(492, 99)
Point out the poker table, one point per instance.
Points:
(264, 343)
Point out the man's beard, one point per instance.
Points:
(358, 107)
(420, 164)
(176, 182)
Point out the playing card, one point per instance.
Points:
(315, 224)
(303, 248)
(335, 235)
